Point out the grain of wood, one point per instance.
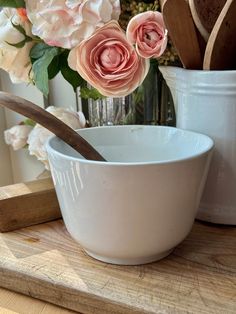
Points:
(26, 204)
(198, 277)
(205, 14)
(15, 303)
(182, 31)
(221, 46)
(6, 311)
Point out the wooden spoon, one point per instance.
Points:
(181, 28)
(205, 14)
(50, 122)
(220, 51)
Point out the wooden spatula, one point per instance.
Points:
(220, 51)
(51, 123)
(205, 14)
(179, 23)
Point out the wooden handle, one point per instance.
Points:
(220, 51)
(179, 23)
(51, 123)
(205, 14)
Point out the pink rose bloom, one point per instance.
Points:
(65, 23)
(109, 62)
(147, 31)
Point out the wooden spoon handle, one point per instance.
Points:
(205, 14)
(50, 122)
(179, 23)
(220, 51)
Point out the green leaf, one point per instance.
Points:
(93, 93)
(138, 94)
(18, 45)
(54, 68)
(22, 31)
(12, 3)
(38, 50)
(70, 75)
(19, 28)
(29, 122)
(40, 68)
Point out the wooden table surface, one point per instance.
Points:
(15, 303)
(43, 261)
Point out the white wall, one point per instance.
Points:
(61, 93)
(18, 166)
(6, 175)
(24, 167)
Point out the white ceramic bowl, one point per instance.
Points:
(137, 207)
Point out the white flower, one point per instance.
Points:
(15, 61)
(75, 120)
(66, 23)
(39, 135)
(17, 136)
(36, 141)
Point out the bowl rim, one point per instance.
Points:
(208, 148)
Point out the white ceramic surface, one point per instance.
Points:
(137, 207)
(205, 102)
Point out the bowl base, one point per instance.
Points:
(129, 261)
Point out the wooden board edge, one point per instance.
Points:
(27, 204)
(75, 300)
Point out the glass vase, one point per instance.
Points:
(151, 103)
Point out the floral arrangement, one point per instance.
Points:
(103, 46)
(33, 136)
(106, 43)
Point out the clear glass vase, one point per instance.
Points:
(151, 103)
(110, 111)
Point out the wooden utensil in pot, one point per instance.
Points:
(205, 14)
(220, 51)
(182, 31)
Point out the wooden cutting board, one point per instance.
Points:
(26, 204)
(198, 277)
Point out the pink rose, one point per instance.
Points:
(147, 31)
(109, 62)
(67, 23)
